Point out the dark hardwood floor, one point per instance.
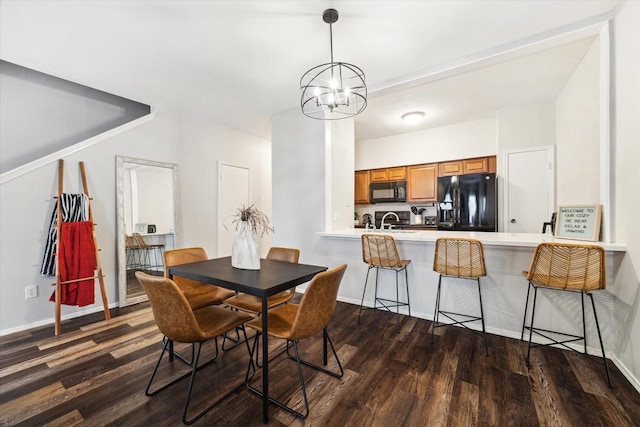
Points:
(95, 374)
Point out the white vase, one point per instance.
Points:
(244, 252)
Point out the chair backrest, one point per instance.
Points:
(459, 257)
(130, 242)
(137, 237)
(379, 250)
(284, 254)
(318, 303)
(568, 266)
(171, 310)
(183, 256)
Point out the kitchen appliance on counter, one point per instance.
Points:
(388, 192)
(468, 202)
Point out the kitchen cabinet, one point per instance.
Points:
(478, 165)
(388, 174)
(450, 168)
(362, 187)
(422, 183)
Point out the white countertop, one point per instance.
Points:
(487, 238)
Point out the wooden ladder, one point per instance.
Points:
(99, 275)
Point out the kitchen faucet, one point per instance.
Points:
(385, 216)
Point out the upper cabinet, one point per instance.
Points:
(450, 168)
(362, 187)
(466, 166)
(422, 183)
(388, 174)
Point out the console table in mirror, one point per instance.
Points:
(147, 200)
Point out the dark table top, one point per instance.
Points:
(273, 276)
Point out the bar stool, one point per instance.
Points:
(571, 268)
(461, 259)
(380, 251)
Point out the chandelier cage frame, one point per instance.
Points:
(334, 90)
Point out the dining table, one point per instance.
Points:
(272, 277)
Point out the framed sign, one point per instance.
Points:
(580, 222)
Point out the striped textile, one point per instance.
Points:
(75, 207)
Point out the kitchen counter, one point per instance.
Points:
(504, 288)
(529, 240)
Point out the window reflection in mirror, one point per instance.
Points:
(147, 218)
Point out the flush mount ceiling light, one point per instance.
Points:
(413, 117)
(335, 90)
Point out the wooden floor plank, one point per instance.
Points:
(95, 374)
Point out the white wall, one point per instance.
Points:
(202, 144)
(194, 144)
(522, 126)
(626, 125)
(577, 134)
(477, 138)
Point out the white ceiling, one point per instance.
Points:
(239, 62)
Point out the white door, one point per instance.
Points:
(233, 193)
(529, 189)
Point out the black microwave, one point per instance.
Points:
(386, 192)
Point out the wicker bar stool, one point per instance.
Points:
(571, 268)
(380, 251)
(461, 259)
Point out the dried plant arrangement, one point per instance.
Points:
(258, 220)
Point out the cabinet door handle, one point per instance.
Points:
(513, 221)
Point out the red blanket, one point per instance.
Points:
(76, 260)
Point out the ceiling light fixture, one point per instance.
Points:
(413, 117)
(335, 90)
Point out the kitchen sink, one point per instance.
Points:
(401, 231)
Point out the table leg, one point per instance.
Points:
(265, 360)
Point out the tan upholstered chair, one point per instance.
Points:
(197, 293)
(379, 251)
(565, 267)
(253, 303)
(295, 322)
(461, 259)
(178, 322)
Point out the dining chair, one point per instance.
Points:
(179, 322)
(569, 268)
(198, 294)
(296, 322)
(253, 304)
(459, 258)
(133, 253)
(379, 251)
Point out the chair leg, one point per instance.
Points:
(604, 359)
(533, 313)
(406, 282)
(299, 363)
(363, 293)
(397, 304)
(484, 332)
(437, 309)
(584, 323)
(526, 307)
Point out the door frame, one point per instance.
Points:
(221, 220)
(551, 155)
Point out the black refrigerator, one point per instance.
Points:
(468, 202)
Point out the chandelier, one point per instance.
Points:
(335, 90)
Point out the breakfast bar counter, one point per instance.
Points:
(507, 255)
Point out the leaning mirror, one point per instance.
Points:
(147, 203)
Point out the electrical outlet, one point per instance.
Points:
(31, 292)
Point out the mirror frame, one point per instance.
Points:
(124, 299)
